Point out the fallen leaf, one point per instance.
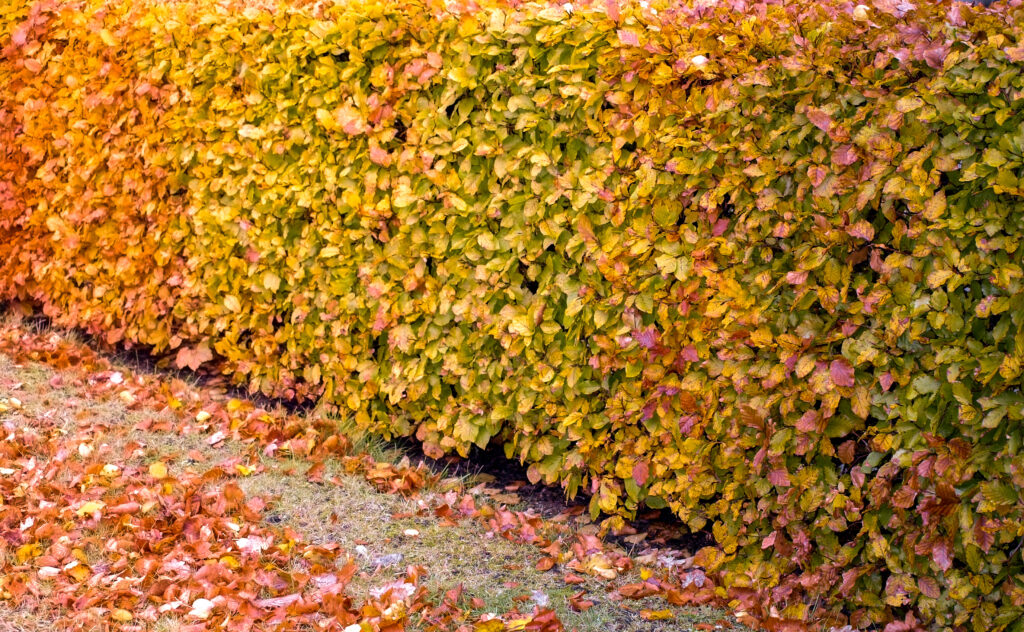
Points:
(158, 470)
(90, 507)
(545, 564)
(201, 608)
(657, 615)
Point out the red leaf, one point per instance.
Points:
(817, 174)
(982, 536)
(628, 37)
(809, 422)
(193, 357)
(1016, 54)
(278, 602)
(579, 604)
(612, 8)
(846, 452)
(929, 587)
(857, 476)
(862, 230)
(380, 156)
(640, 473)
(819, 118)
(315, 474)
(124, 508)
(638, 591)
(941, 555)
(842, 372)
(936, 56)
(954, 17)
(796, 277)
(779, 477)
(844, 155)
(895, 8)
(20, 36)
(886, 381)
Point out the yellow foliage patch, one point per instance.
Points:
(758, 264)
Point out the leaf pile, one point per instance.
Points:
(757, 262)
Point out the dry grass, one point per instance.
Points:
(498, 572)
(19, 619)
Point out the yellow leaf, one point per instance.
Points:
(324, 118)
(120, 614)
(90, 508)
(158, 470)
(600, 566)
(79, 571)
(657, 615)
(271, 281)
(108, 38)
(229, 561)
(27, 552)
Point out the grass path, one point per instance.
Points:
(143, 502)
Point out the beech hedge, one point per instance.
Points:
(757, 262)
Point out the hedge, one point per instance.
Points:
(756, 262)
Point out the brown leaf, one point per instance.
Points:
(578, 603)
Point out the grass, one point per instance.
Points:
(499, 573)
(21, 619)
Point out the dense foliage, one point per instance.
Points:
(758, 262)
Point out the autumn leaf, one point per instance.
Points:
(841, 372)
(193, 357)
(89, 508)
(640, 473)
(779, 477)
(158, 470)
(819, 118)
(579, 603)
(861, 230)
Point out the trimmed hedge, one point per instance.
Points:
(756, 262)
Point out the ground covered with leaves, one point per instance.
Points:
(135, 500)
